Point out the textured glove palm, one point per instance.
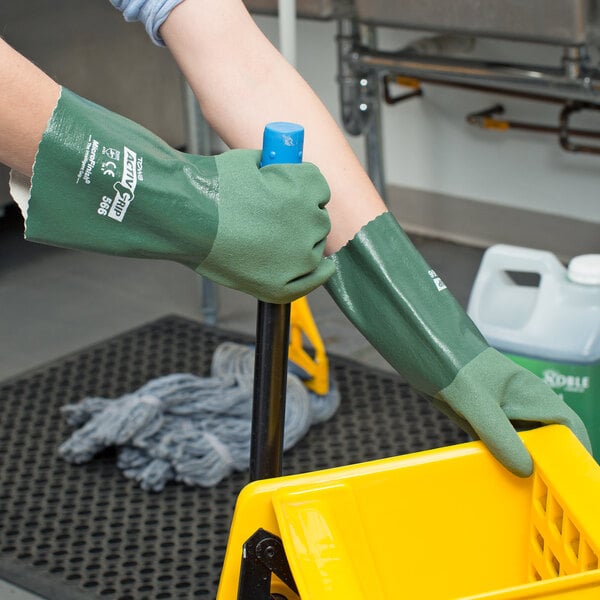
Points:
(404, 309)
(104, 183)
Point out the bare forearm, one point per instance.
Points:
(27, 98)
(242, 82)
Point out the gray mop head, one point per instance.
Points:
(185, 428)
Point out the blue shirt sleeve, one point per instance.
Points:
(152, 13)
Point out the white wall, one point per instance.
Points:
(429, 146)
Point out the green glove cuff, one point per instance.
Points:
(385, 287)
(92, 191)
(103, 183)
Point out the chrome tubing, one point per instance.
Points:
(371, 101)
(566, 83)
(352, 110)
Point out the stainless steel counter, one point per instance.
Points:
(309, 9)
(563, 22)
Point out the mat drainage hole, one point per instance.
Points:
(107, 592)
(40, 563)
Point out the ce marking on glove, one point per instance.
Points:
(108, 168)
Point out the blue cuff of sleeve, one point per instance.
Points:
(152, 13)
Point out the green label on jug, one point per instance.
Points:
(578, 385)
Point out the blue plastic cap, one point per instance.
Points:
(282, 144)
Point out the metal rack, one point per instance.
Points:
(574, 83)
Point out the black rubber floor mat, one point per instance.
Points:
(72, 532)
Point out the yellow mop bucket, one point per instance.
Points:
(443, 524)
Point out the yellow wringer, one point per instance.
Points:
(302, 325)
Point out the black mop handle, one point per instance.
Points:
(282, 143)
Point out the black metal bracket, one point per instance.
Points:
(487, 118)
(263, 555)
(564, 129)
(404, 81)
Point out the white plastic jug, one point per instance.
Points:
(552, 328)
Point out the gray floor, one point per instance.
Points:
(57, 301)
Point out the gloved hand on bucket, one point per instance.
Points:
(403, 308)
(103, 183)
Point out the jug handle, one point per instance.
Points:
(501, 258)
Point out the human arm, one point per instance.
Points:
(28, 97)
(104, 183)
(405, 310)
(240, 81)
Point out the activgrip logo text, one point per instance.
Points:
(116, 206)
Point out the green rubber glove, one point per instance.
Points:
(384, 286)
(104, 183)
